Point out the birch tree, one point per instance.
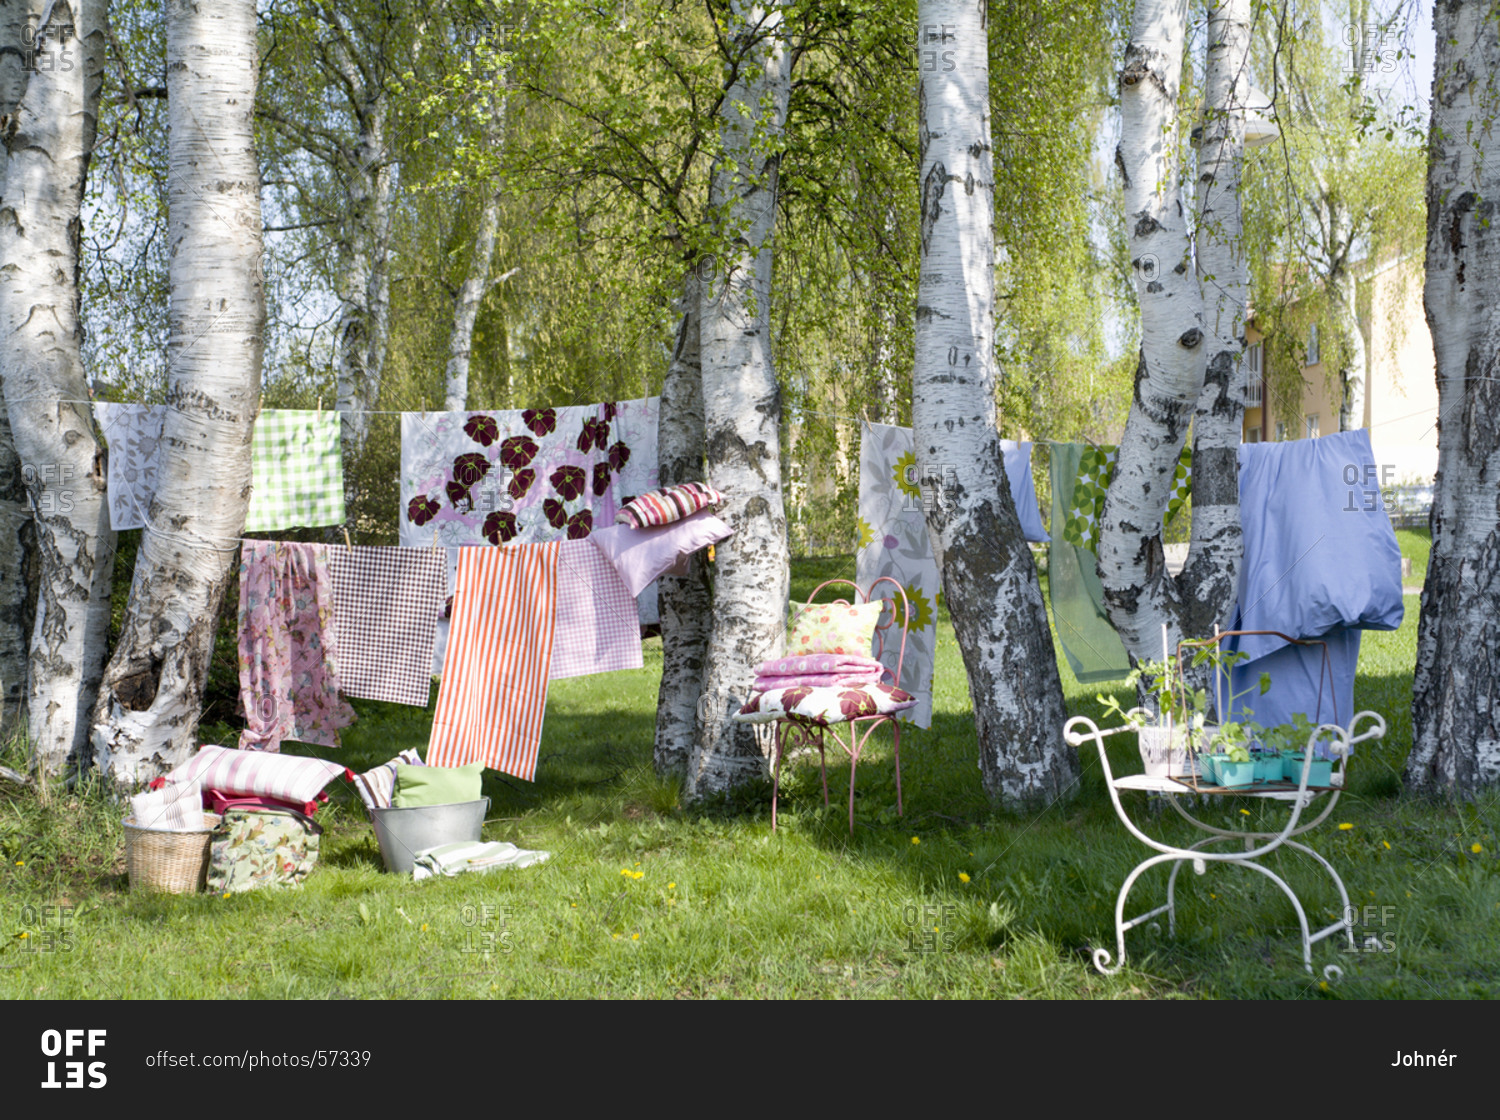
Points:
(686, 603)
(149, 704)
(989, 577)
(1192, 331)
(52, 74)
(1456, 693)
(742, 404)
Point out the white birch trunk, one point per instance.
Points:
(17, 598)
(149, 705)
(1190, 346)
(742, 409)
(364, 290)
(989, 578)
(1456, 694)
(686, 602)
(477, 280)
(49, 137)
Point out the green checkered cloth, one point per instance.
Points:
(1096, 467)
(296, 470)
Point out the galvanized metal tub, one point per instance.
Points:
(402, 833)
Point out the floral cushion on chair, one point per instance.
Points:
(825, 705)
(833, 627)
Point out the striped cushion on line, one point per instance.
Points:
(377, 787)
(662, 507)
(257, 773)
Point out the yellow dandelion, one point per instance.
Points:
(616, 936)
(1372, 894)
(635, 937)
(424, 927)
(1323, 985)
(671, 886)
(1212, 895)
(1246, 812)
(639, 875)
(226, 894)
(1387, 844)
(575, 906)
(23, 935)
(20, 863)
(624, 871)
(916, 839)
(963, 876)
(1345, 827)
(1476, 848)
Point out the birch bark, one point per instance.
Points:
(149, 704)
(686, 602)
(1456, 694)
(1192, 323)
(742, 406)
(989, 578)
(49, 135)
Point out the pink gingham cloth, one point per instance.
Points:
(386, 603)
(598, 627)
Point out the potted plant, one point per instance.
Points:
(1165, 745)
(1299, 733)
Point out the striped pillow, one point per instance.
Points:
(176, 808)
(662, 507)
(376, 787)
(257, 773)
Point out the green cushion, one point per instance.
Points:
(436, 785)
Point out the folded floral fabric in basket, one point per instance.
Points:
(171, 808)
(456, 859)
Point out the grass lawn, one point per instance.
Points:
(645, 898)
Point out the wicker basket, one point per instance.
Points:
(173, 862)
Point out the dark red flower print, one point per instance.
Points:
(517, 451)
(580, 525)
(469, 469)
(752, 704)
(610, 411)
(595, 434)
(619, 455)
(601, 478)
(458, 494)
(448, 607)
(520, 482)
(856, 702)
(568, 481)
(556, 514)
(482, 429)
(499, 527)
(541, 421)
(421, 509)
(898, 695)
(791, 697)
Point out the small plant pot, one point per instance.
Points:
(1291, 766)
(1232, 774)
(1208, 767)
(1164, 754)
(1321, 773)
(1268, 768)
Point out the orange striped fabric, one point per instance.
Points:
(494, 689)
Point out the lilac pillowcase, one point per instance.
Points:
(768, 683)
(640, 555)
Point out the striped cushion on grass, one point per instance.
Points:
(662, 507)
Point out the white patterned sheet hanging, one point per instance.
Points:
(893, 542)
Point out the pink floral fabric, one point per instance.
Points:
(819, 663)
(825, 705)
(289, 675)
(814, 680)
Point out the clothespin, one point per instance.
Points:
(320, 402)
(347, 543)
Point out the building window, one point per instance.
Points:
(1280, 430)
(1252, 436)
(1312, 427)
(1313, 357)
(1254, 359)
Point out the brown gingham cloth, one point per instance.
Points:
(386, 602)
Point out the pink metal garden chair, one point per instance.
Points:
(800, 731)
